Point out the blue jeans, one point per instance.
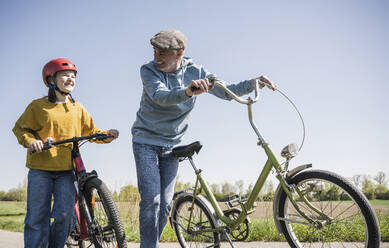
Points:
(156, 170)
(42, 185)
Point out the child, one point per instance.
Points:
(58, 117)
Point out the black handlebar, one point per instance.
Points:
(49, 144)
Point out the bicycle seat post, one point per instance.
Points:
(193, 165)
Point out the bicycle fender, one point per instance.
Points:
(277, 194)
(205, 202)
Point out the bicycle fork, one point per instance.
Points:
(84, 217)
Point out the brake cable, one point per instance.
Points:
(300, 116)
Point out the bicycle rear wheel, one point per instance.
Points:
(109, 230)
(188, 227)
(352, 223)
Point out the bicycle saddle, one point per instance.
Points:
(187, 151)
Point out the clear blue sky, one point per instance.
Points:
(330, 57)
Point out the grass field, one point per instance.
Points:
(262, 227)
(12, 216)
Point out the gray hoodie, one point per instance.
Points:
(162, 118)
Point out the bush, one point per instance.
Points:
(381, 192)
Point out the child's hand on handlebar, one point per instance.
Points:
(36, 146)
(264, 81)
(113, 133)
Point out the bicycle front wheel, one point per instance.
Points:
(109, 230)
(190, 221)
(351, 223)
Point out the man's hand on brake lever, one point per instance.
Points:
(264, 81)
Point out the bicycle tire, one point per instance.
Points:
(342, 196)
(203, 218)
(105, 215)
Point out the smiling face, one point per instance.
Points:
(167, 60)
(66, 80)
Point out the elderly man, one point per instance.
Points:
(161, 121)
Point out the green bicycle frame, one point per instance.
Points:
(248, 206)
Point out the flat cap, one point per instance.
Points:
(169, 39)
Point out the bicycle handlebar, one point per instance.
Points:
(213, 81)
(237, 98)
(49, 144)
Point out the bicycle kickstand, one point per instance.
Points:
(228, 237)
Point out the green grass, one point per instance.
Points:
(12, 208)
(12, 216)
(379, 202)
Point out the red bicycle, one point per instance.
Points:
(97, 217)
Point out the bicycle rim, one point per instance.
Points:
(105, 216)
(200, 220)
(351, 223)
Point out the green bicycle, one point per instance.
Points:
(311, 208)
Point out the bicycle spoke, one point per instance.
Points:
(344, 211)
(348, 217)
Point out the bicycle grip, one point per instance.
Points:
(46, 146)
(211, 80)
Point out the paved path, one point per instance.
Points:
(15, 240)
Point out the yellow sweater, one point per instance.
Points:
(43, 119)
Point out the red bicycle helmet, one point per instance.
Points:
(56, 65)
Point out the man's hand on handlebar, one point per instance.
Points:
(197, 87)
(264, 81)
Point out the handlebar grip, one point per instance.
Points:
(194, 88)
(46, 146)
(211, 81)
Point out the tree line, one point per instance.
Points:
(373, 187)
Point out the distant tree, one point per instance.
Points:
(227, 188)
(215, 188)
(249, 190)
(381, 192)
(268, 196)
(357, 180)
(239, 185)
(381, 178)
(129, 193)
(3, 195)
(17, 194)
(181, 186)
(368, 188)
(115, 196)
